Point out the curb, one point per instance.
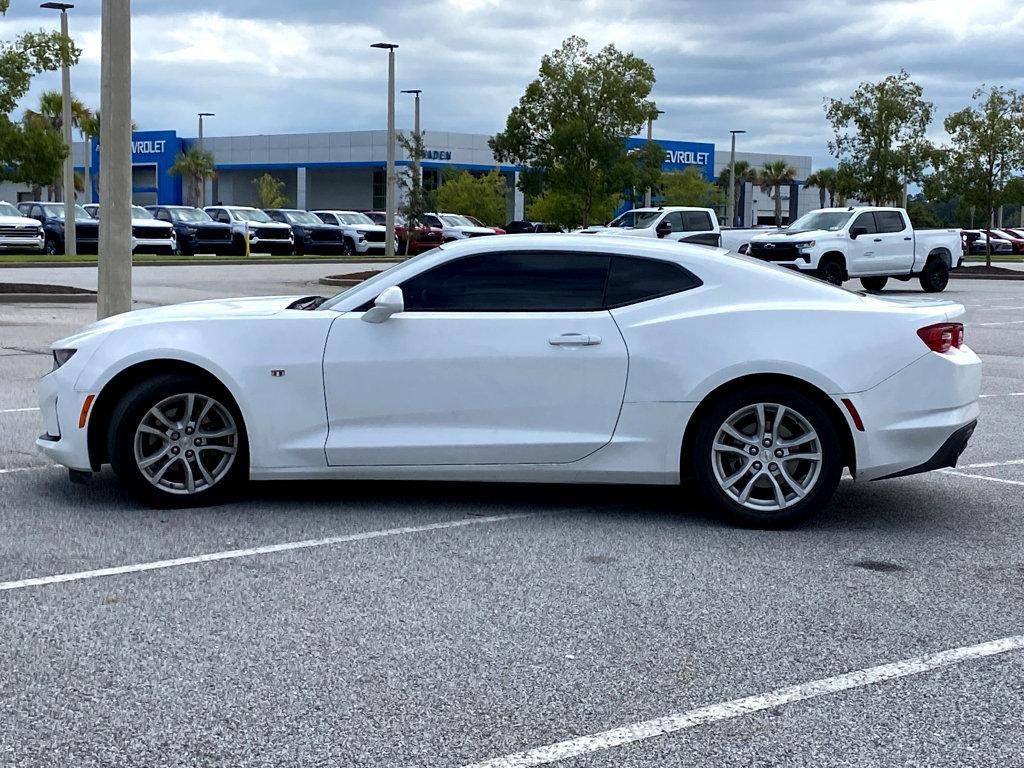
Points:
(47, 298)
(343, 282)
(198, 263)
(968, 276)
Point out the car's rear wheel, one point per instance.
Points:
(874, 284)
(935, 276)
(767, 456)
(178, 441)
(53, 246)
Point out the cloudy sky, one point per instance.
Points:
(763, 66)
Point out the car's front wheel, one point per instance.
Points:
(178, 441)
(767, 456)
(935, 276)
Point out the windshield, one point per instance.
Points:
(138, 212)
(635, 220)
(454, 220)
(382, 280)
(250, 215)
(6, 209)
(822, 220)
(357, 218)
(302, 217)
(56, 210)
(190, 215)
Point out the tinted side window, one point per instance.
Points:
(889, 221)
(328, 218)
(431, 221)
(675, 220)
(696, 221)
(533, 282)
(865, 220)
(633, 279)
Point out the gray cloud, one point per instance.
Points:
(267, 67)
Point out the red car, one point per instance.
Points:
(1015, 238)
(425, 238)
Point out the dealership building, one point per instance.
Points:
(346, 169)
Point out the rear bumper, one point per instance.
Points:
(911, 417)
(947, 455)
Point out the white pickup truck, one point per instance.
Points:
(17, 232)
(867, 242)
(681, 223)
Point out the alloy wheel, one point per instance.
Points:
(186, 443)
(766, 457)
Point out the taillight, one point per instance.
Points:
(942, 337)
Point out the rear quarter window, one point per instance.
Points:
(635, 279)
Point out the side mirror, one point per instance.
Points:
(663, 228)
(856, 232)
(387, 304)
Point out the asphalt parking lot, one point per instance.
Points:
(442, 624)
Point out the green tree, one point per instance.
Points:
(484, 197)
(416, 200)
(879, 136)
(30, 153)
(923, 213)
(646, 162)
(50, 112)
(569, 127)
(269, 192)
(30, 54)
(770, 179)
(689, 188)
(744, 173)
(825, 180)
(195, 166)
(986, 149)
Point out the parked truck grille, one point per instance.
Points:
(27, 231)
(213, 233)
(271, 233)
(86, 231)
(374, 237)
(152, 233)
(327, 236)
(774, 252)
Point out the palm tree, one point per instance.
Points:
(269, 192)
(90, 128)
(51, 112)
(744, 173)
(771, 178)
(195, 166)
(825, 180)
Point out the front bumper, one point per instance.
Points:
(144, 243)
(61, 406)
(911, 417)
(22, 244)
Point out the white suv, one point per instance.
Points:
(681, 223)
(19, 232)
(456, 226)
(265, 234)
(362, 235)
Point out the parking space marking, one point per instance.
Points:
(723, 711)
(997, 323)
(251, 551)
(17, 411)
(982, 477)
(6, 470)
(979, 465)
(1000, 395)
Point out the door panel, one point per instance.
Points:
(431, 388)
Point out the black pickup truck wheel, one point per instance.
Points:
(935, 276)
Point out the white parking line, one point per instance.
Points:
(998, 323)
(983, 477)
(250, 551)
(979, 465)
(17, 411)
(6, 470)
(1000, 395)
(723, 711)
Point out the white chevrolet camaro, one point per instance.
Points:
(542, 358)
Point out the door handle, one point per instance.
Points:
(908, 238)
(581, 340)
(878, 240)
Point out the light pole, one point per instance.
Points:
(389, 245)
(115, 254)
(730, 211)
(70, 230)
(199, 143)
(650, 135)
(416, 130)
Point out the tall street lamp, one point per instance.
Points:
(650, 135)
(199, 143)
(730, 213)
(70, 230)
(416, 130)
(389, 245)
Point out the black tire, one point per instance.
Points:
(935, 276)
(820, 488)
(831, 271)
(54, 246)
(126, 418)
(874, 284)
(348, 247)
(238, 243)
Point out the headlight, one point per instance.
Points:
(190, 230)
(805, 244)
(60, 357)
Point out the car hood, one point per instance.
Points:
(787, 235)
(213, 309)
(18, 221)
(617, 232)
(370, 227)
(150, 223)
